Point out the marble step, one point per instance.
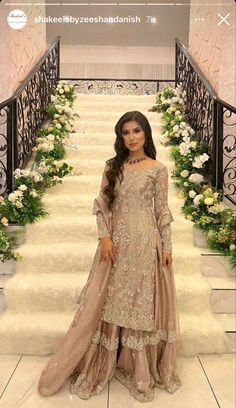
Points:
(229, 323)
(59, 291)
(83, 228)
(106, 140)
(223, 299)
(115, 115)
(77, 257)
(81, 204)
(105, 126)
(54, 292)
(119, 107)
(215, 264)
(40, 333)
(112, 99)
(81, 167)
(89, 153)
(90, 184)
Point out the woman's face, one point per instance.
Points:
(132, 132)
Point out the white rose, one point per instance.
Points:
(208, 201)
(185, 184)
(19, 204)
(51, 138)
(175, 99)
(184, 133)
(184, 173)
(175, 128)
(193, 143)
(19, 193)
(33, 193)
(192, 193)
(198, 198)
(4, 221)
(232, 247)
(17, 172)
(61, 91)
(12, 197)
(22, 187)
(177, 113)
(196, 178)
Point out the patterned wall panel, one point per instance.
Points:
(25, 46)
(212, 44)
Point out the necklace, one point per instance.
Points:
(130, 161)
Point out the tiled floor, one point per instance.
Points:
(208, 382)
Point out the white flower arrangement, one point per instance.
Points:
(200, 160)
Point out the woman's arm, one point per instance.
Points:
(162, 212)
(102, 230)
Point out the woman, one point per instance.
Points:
(127, 323)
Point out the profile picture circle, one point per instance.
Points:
(16, 19)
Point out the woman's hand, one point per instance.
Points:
(107, 249)
(166, 258)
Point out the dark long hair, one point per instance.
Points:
(122, 152)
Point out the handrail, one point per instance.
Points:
(30, 75)
(212, 119)
(25, 112)
(203, 78)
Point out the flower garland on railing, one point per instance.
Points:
(24, 205)
(203, 203)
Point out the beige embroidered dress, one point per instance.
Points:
(139, 315)
(130, 295)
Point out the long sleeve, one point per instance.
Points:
(162, 212)
(101, 224)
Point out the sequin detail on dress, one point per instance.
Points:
(140, 200)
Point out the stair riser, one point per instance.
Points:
(216, 265)
(77, 233)
(85, 114)
(86, 167)
(102, 99)
(65, 299)
(223, 300)
(39, 343)
(61, 208)
(108, 126)
(82, 184)
(103, 153)
(106, 140)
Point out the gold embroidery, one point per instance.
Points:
(132, 342)
(139, 201)
(101, 338)
(128, 380)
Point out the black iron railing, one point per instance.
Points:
(213, 120)
(25, 112)
(114, 86)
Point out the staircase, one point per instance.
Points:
(38, 302)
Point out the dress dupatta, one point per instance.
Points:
(91, 299)
(79, 335)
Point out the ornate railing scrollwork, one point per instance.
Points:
(24, 113)
(212, 119)
(118, 86)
